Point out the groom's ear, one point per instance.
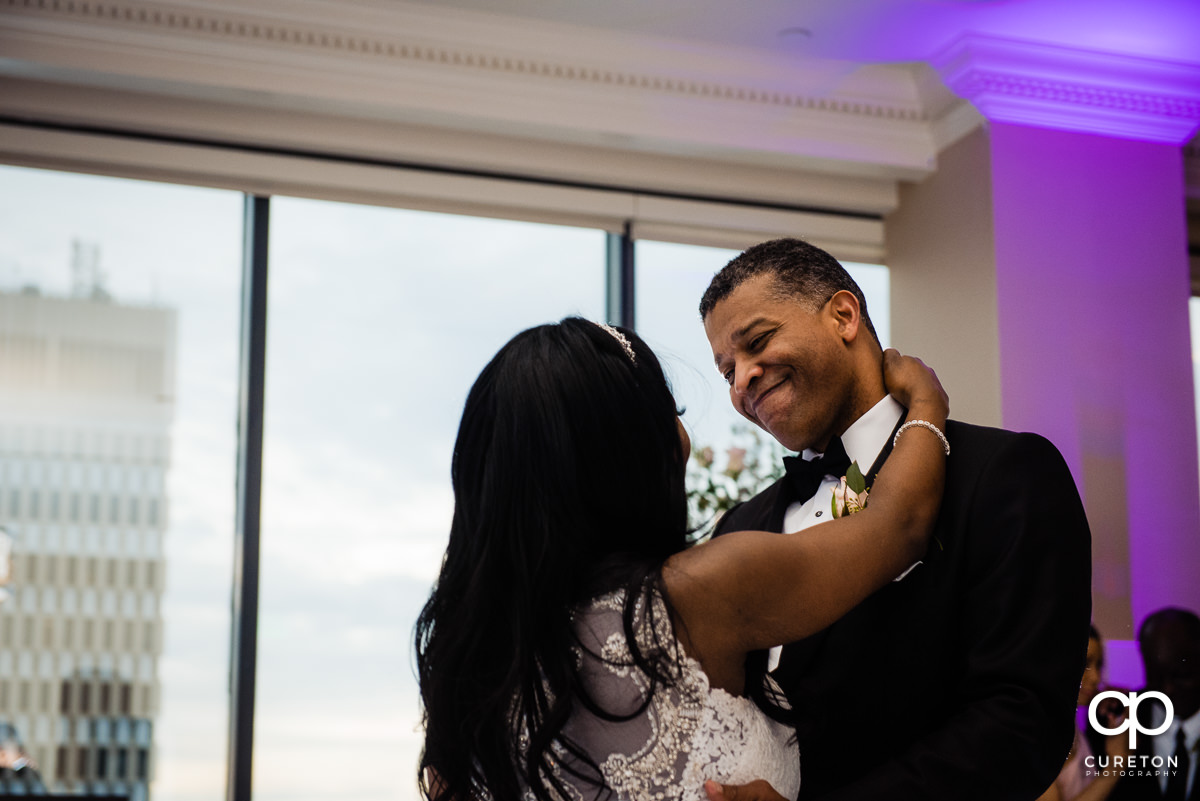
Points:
(843, 307)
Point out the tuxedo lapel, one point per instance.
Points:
(799, 656)
(884, 453)
(767, 512)
(932, 553)
(780, 502)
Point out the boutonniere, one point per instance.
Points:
(850, 495)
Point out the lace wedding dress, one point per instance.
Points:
(690, 732)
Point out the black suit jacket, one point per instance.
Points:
(958, 682)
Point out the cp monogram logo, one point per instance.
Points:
(1131, 722)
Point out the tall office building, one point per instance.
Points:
(86, 402)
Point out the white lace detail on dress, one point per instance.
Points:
(687, 734)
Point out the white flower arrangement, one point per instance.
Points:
(716, 483)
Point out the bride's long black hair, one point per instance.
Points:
(568, 478)
(569, 482)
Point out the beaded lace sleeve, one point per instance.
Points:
(687, 733)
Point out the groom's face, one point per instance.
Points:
(786, 365)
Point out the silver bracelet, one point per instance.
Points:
(922, 424)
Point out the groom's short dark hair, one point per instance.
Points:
(802, 272)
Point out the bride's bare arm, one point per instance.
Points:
(751, 589)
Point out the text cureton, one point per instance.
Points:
(1133, 761)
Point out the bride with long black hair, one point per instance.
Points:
(577, 643)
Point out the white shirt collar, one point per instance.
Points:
(1191, 728)
(867, 435)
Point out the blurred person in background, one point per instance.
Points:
(1081, 779)
(1169, 641)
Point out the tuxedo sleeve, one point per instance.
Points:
(1025, 605)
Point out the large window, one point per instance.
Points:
(118, 367)
(379, 321)
(120, 306)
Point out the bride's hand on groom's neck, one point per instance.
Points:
(915, 386)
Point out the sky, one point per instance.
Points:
(378, 322)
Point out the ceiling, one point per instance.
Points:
(873, 31)
(702, 93)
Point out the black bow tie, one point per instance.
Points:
(805, 477)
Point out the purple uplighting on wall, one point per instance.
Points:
(1092, 289)
(1088, 109)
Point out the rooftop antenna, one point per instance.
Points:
(87, 279)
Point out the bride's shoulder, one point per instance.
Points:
(600, 625)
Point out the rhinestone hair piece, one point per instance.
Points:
(621, 338)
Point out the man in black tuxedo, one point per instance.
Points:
(957, 681)
(1169, 641)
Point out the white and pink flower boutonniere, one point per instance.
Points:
(850, 495)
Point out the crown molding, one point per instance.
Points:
(474, 71)
(487, 44)
(1051, 86)
(951, 117)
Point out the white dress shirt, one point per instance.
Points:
(863, 441)
(1163, 745)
